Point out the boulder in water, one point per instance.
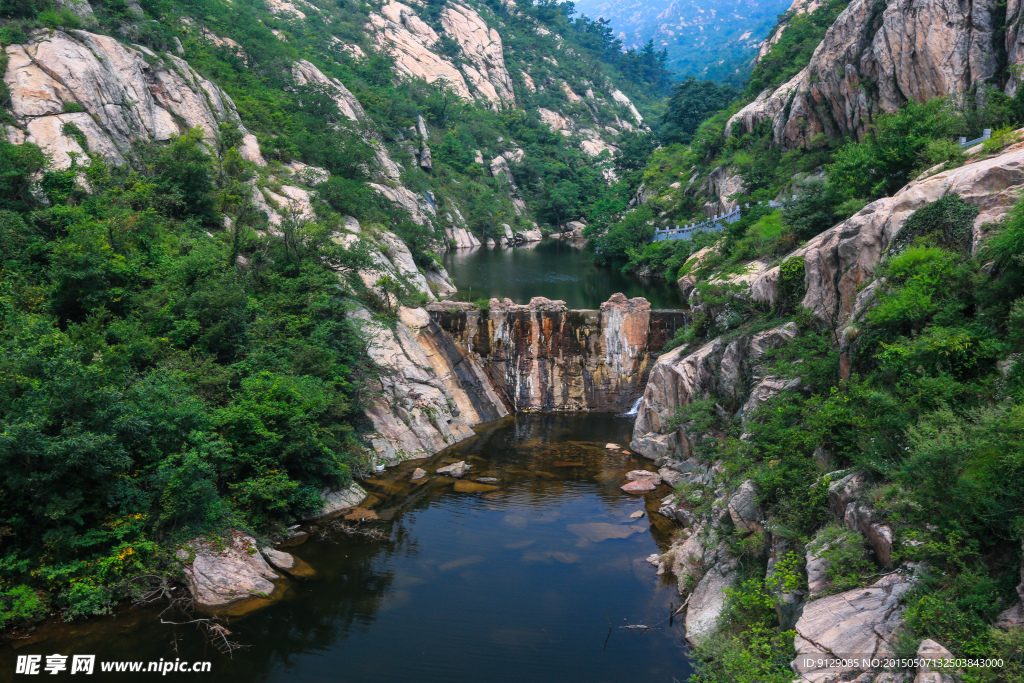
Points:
(458, 470)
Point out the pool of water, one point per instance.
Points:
(551, 268)
(529, 581)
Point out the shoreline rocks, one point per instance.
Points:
(223, 571)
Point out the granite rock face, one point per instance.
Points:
(481, 46)
(906, 50)
(120, 95)
(856, 624)
(717, 368)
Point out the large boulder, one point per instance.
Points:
(860, 623)
(744, 511)
(222, 571)
(341, 499)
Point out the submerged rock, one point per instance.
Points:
(463, 486)
(362, 515)
(595, 532)
(287, 562)
(458, 470)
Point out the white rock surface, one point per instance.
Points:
(218, 576)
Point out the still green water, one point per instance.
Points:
(551, 268)
(528, 582)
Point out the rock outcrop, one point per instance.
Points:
(905, 50)
(305, 73)
(223, 571)
(113, 94)
(857, 624)
(717, 368)
(543, 356)
(431, 391)
(482, 47)
(843, 258)
(398, 29)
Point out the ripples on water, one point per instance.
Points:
(519, 583)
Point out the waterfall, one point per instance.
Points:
(635, 409)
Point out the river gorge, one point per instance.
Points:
(531, 578)
(533, 566)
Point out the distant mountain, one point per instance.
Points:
(704, 38)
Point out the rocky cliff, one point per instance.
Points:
(75, 92)
(876, 56)
(840, 267)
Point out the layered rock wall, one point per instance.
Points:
(543, 356)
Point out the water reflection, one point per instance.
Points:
(515, 584)
(551, 268)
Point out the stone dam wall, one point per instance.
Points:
(546, 357)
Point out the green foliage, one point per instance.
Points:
(819, 206)
(955, 607)
(155, 389)
(792, 285)
(691, 103)
(626, 237)
(748, 647)
(20, 605)
(920, 282)
(950, 220)
(767, 236)
(846, 555)
(18, 163)
(892, 150)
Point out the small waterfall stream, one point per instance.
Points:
(632, 412)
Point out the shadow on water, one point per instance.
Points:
(521, 580)
(551, 268)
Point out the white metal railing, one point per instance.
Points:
(713, 224)
(985, 135)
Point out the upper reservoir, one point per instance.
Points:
(529, 580)
(551, 268)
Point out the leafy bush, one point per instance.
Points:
(792, 285)
(846, 555)
(950, 220)
(892, 149)
(20, 605)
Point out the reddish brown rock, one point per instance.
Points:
(640, 486)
